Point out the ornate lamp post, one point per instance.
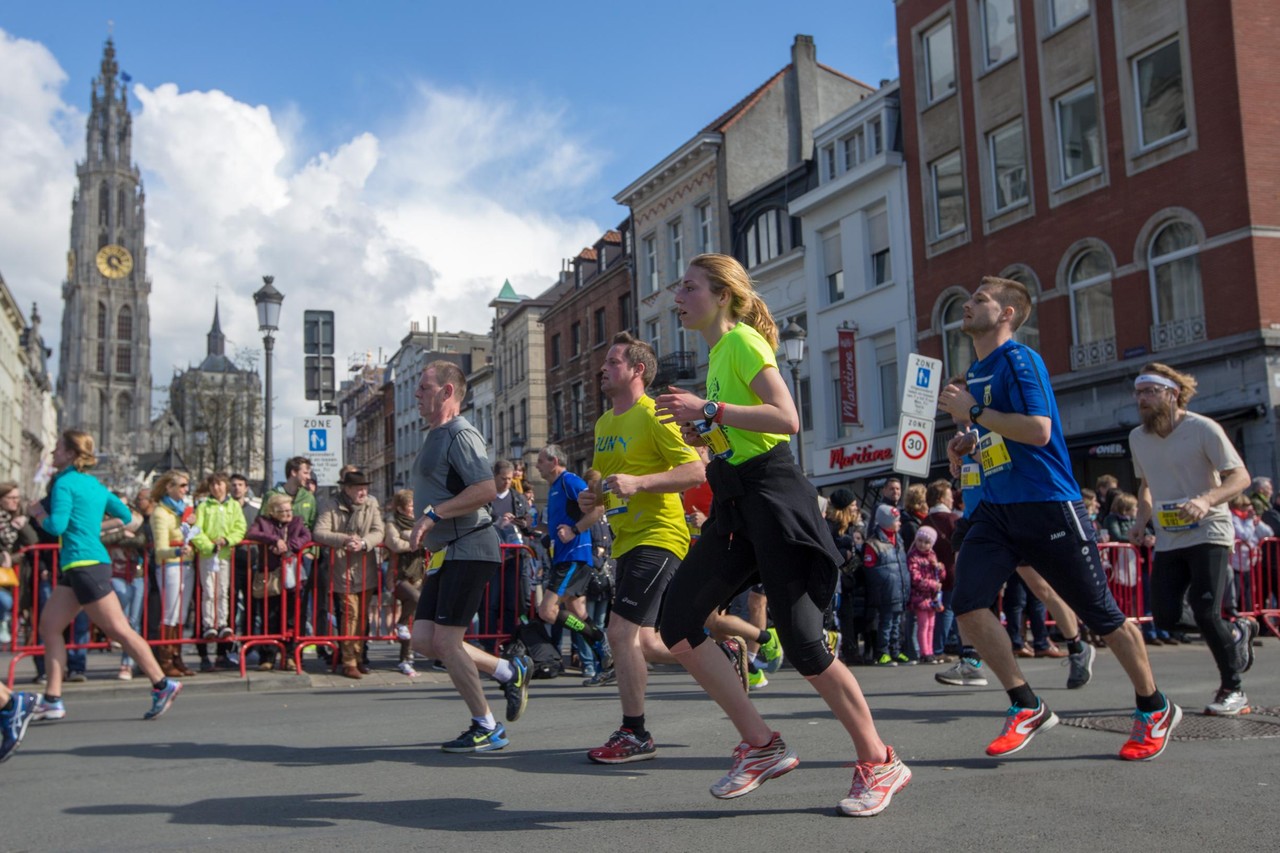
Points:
(268, 301)
(792, 338)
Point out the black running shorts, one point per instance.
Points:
(643, 575)
(452, 595)
(89, 583)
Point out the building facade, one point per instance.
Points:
(104, 367)
(1096, 150)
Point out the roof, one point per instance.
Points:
(726, 120)
(612, 236)
(217, 363)
(587, 254)
(507, 292)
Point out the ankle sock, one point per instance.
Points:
(1023, 696)
(486, 722)
(50, 700)
(1075, 646)
(763, 638)
(635, 725)
(1150, 704)
(504, 672)
(160, 685)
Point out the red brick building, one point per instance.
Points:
(1121, 158)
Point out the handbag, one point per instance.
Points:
(267, 583)
(8, 577)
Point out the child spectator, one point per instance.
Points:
(889, 582)
(926, 589)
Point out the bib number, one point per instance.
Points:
(970, 475)
(1170, 517)
(993, 454)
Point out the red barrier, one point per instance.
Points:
(1124, 566)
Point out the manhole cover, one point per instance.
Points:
(1263, 722)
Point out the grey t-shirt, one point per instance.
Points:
(1182, 465)
(465, 451)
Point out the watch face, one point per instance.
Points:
(114, 261)
(709, 410)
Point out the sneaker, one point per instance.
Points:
(608, 677)
(1020, 726)
(623, 747)
(210, 634)
(125, 673)
(752, 765)
(885, 660)
(735, 649)
(163, 698)
(966, 673)
(80, 677)
(478, 739)
(599, 679)
(206, 665)
(902, 660)
(1150, 734)
(874, 786)
(756, 680)
(402, 633)
(13, 723)
(225, 634)
(50, 711)
(771, 652)
(1245, 629)
(406, 668)
(517, 692)
(1229, 703)
(1081, 667)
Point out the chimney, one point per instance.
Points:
(802, 99)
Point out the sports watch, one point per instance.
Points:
(710, 409)
(975, 412)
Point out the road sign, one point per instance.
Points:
(915, 441)
(924, 381)
(319, 438)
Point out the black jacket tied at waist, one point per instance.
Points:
(767, 496)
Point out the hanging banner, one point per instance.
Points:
(848, 377)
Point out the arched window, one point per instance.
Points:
(767, 237)
(1177, 298)
(124, 324)
(104, 203)
(1029, 332)
(122, 204)
(102, 320)
(124, 359)
(957, 346)
(124, 414)
(1092, 310)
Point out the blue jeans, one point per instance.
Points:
(943, 628)
(6, 605)
(130, 595)
(591, 654)
(77, 659)
(887, 636)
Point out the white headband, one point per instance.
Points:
(1156, 379)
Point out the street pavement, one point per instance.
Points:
(317, 762)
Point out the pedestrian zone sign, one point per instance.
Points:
(319, 438)
(920, 391)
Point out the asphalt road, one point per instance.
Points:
(278, 764)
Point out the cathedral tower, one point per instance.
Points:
(104, 370)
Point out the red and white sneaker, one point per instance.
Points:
(1020, 726)
(874, 786)
(1151, 733)
(752, 765)
(623, 747)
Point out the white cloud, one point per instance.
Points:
(456, 193)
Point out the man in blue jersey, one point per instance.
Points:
(1031, 512)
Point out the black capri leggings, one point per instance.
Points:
(1203, 571)
(799, 582)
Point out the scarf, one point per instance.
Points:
(177, 506)
(404, 521)
(8, 533)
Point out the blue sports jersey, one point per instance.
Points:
(1013, 379)
(565, 489)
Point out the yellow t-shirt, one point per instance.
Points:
(735, 360)
(634, 442)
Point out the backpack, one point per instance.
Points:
(531, 639)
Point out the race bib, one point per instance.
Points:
(993, 454)
(970, 475)
(437, 561)
(1170, 518)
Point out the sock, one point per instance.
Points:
(505, 671)
(763, 638)
(573, 623)
(1075, 646)
(487, 722)
(635, 725)
(50, 700)
(160, 685)
(1150, 704)
(8, 706)
(1023, 696)
(754, 662)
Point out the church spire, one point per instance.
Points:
(217, 340)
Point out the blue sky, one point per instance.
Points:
(412, 155)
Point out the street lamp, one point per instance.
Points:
(517, 448)
(268, 301)
(793, 350)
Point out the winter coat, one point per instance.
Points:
(945, 523)
(926, 578)
(889, 579)
(410, 565)
(268, 531)
(166, 530)
(355, 571)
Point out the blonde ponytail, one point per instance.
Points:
(745, 305)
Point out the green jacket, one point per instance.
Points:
(216, 520)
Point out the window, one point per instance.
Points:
(1091, 303)
(829, 160)
(705, 241)
(875, 137)
(878, 247)
(1175, 274)
(124, 359)
(602, 257)
(1079, 148)
(101, 364)
(806, 405)
(948, 195)
(500, 433)
(575, 340)
(764, 238)
(102, 320)
(104, 204)
(887, 370)
(653, 334)
(624, 311)
(524, 419)
(1008, 166)
(957, 347)
(1028, 333)
(600, 330)
(577, 274)
(939, 62)
(999, 31)
(1162, 109)
(555, 350)
(678, 341)
(576, 404)
(854, 146)
(674, 236)
(121, 206)
(833, 266)
(1063, 12)
(650, 264)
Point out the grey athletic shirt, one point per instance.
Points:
(459, 444)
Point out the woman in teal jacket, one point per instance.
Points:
(77, 504)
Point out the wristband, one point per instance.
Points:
(719, 418)
(430, 512)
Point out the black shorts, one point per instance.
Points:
(643, 575)
(1054, 537)
(569, 579)
(451, 596)
(89, 583)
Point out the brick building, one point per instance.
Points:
(1118, 157)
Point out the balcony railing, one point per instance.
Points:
(673, 367)
(1093, 353)
(1176, 333)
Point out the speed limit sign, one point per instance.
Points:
(915, 440)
